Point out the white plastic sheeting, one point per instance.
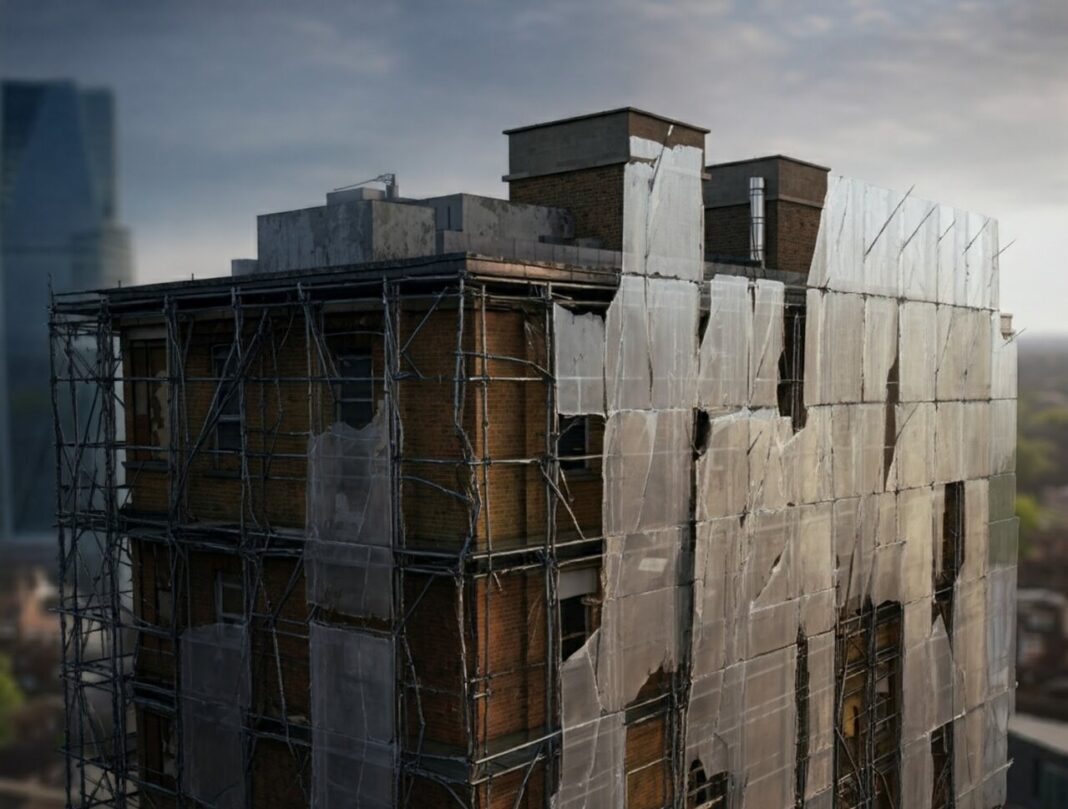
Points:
(908, 386)
(352, 703)
(348, 557)
(349, 570)
(215, 695)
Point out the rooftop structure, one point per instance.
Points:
(607, 495)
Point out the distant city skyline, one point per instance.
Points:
(231, 110)
(58, 226)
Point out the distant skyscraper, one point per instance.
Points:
(58, 221)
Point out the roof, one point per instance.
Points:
(787, 158)
(602, 113)
(1048, 733)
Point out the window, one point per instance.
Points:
(354, 395)
(147, 400)
(943, 790)
(164, 607)
(572, 446)
(229, 599)
(792, 361)
(227, 400)
(578, 603)
(703, 792)
(868, 717)
(951, 558)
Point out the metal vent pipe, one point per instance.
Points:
(756, 220)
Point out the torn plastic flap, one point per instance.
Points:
(352, 704)
(767, 344)
(725, 348)
(579, 354)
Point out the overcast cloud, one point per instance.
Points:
(229, 109)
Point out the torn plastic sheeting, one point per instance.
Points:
(976, 530)
(882, 240)
(969, 640)
(917, 354)
(770, 713)
(949, 442)
(579, 344)
(1000, 629)
(838, 257)
(592, 744)
(643, 562)
(714, 724)
(978, 260)
(638, 636)
(772, 471)
(722, 470)
(996, 748)
(647, 477)
(819, 776)
(968, 765)
(718, 555)
(861, 526)
(773, 609)
(1002, 436)
(651, 344)
(663, 210)
(952, 239)
(917, 773)
(912, 463)
(725, 348)
(767, 344)
(1003, 379)
(353, 579)
(880, 346)
(833, 365)
(976, 425)
(812, 453)
(858, 441)
(350, 519)
(352, 704)
(816, 563)
(915, 525)
(919, 250)
(214, 697)
(349, 486)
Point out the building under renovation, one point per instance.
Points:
(658, 484)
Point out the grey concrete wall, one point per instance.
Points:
(344, 233)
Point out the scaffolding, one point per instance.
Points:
(326, 538)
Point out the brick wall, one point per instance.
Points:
(790, 230)
(500, 622)
(594, 197)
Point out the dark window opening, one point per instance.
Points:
(574, 624)
(572, 448)
(229, 599)
(227, 400)
(890, 433)
(943, 790)
(354, 394)
(950, 558)
(147, 400)
(648, 754)
(792, 362)
(801, 699)
(868, 716)
(703, 792)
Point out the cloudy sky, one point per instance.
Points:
(229, 108)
